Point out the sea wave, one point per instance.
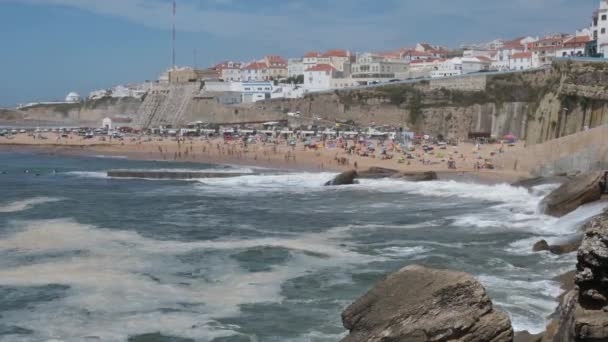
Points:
(26, 204)
(114, 265)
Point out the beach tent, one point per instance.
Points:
(510, 138)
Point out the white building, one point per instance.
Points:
(574, 46)
(287, 91)
(599, 27)
(450, 67)
(520, 61)
(106, 124)
(375, 66)
(319, 77)
(254, 72)
(72, 97)
(295, 67)
(229, 71)
(256, 91)
(475, 64)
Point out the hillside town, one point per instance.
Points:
(273, 77)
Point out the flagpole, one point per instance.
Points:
(173, 40)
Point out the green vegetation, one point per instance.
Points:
(294, 80)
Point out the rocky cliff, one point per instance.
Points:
(537, 105)
(85, 113)
(583, 312)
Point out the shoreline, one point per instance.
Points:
(282, 158)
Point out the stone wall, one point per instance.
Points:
(469, 83)
(87, 113)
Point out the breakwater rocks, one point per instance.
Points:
(422, 304)
(172, 174)
(583, 311)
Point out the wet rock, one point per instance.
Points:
(345, 178)
(532, 182)
(377, 173)
(524, 336)
(579, 190)
(417, 176)
(581, 314)
(422, 304)
(566, 248)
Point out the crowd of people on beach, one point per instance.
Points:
(333, 152)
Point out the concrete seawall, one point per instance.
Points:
(583, 151)
(171, 174)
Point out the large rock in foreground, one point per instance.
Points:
(421, 304)
(580, 190)
(345, 178)
(583, 312)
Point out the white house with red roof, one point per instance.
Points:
(319, 77)
(504, 53)
(377, 67)
(229, 71)
(520, 61)
(254, 72)
(545, 50)
(574, 46)
(267, 69)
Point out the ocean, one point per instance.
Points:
(271, 256)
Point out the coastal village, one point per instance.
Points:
(319, 198)
(275, 77)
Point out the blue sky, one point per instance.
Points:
(50, 47)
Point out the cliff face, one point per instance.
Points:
(536, 106)
(583, 312)
(89, 112)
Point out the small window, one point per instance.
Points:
(603, 31)
(603, 17)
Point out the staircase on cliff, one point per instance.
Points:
(167, 106)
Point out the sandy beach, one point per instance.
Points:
(469, 159)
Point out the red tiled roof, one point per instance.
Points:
(430, 60)
(312, 54)
(512, 46)
(321, 67)
(521, 55)
(418, 54)
(255, 66)
(484, 58)
(577, 41)
(335, 53)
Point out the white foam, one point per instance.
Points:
(26, 204)
(403, 252)
(111, 280)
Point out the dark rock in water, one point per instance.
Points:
(377, 173)
(580, 190)
(582, 314)
(540, 246)
(345, 178)
(524, 336)
(421, 304)
(417, 176)
(566, 248)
